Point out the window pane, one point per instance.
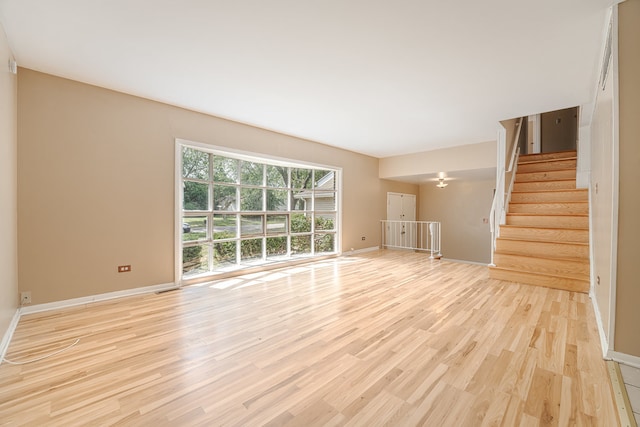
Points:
(300, 223)
(251, 249)
(325, 180)
(225, 169)
(251, 173)
(325, 222)
(301, 178)
(276, 246)
(277, 176)
(300, 245)
(195, 259)
(251, 225)
(277, 200)
(277, 224)
(224, 226)
(324, 243)
(224, 253)
(195, 164)
(196, 196)
(224, 198)
(324, 201)
(194, 228)
(251, 199)
(301, 201)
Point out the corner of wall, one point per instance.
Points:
(8, 195)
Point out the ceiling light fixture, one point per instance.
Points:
(441, 184)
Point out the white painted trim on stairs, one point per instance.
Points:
(6, 339)
(616, 177)
(604, 344)
(625, 359)
(94, 298)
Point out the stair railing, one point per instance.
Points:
(501, 198)
(416, 235)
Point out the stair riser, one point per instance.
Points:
(549, 221)
(550, 196)
(543, 249)
(547, 156)
(569, 184)
(547, 166)
(567, 284)
(550, 208)
(543, 265)
(544, 234)
(545, 176)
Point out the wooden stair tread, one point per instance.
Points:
(574, 276)
(577, 260)
(539, 279)
(554, 190)
(555, 242)
(555, 170)
(539, 214)
(533, 227)
(537, 176)
(533, 162)
(543, 156)
(550, 180)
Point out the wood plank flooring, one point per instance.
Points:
(383, 338)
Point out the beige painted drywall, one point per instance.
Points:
(96, 185)
(627, 326)
(8, 190)
(461, 207)
(602, 203)
(460, 158)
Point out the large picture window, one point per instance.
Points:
(239, 211)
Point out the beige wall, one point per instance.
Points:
(602, 203)
(96, 185)
(8, 188)
(460, 158)
(627, 327)
(461, 207)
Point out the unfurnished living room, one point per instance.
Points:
(408, 213)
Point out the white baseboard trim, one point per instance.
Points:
(28, 309)
(604, 343)
(361, 251)
(6, 339)
(625, 359)
(462, 261)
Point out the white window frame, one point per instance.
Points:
(258, 158)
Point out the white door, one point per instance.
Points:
(401, 207)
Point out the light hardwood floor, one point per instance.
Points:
(383, 338)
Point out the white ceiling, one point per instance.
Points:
(379, 77)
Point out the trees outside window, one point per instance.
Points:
(239, 211)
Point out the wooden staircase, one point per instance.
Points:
(545, 241)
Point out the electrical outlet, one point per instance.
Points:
(124, 268)
(25, 297)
